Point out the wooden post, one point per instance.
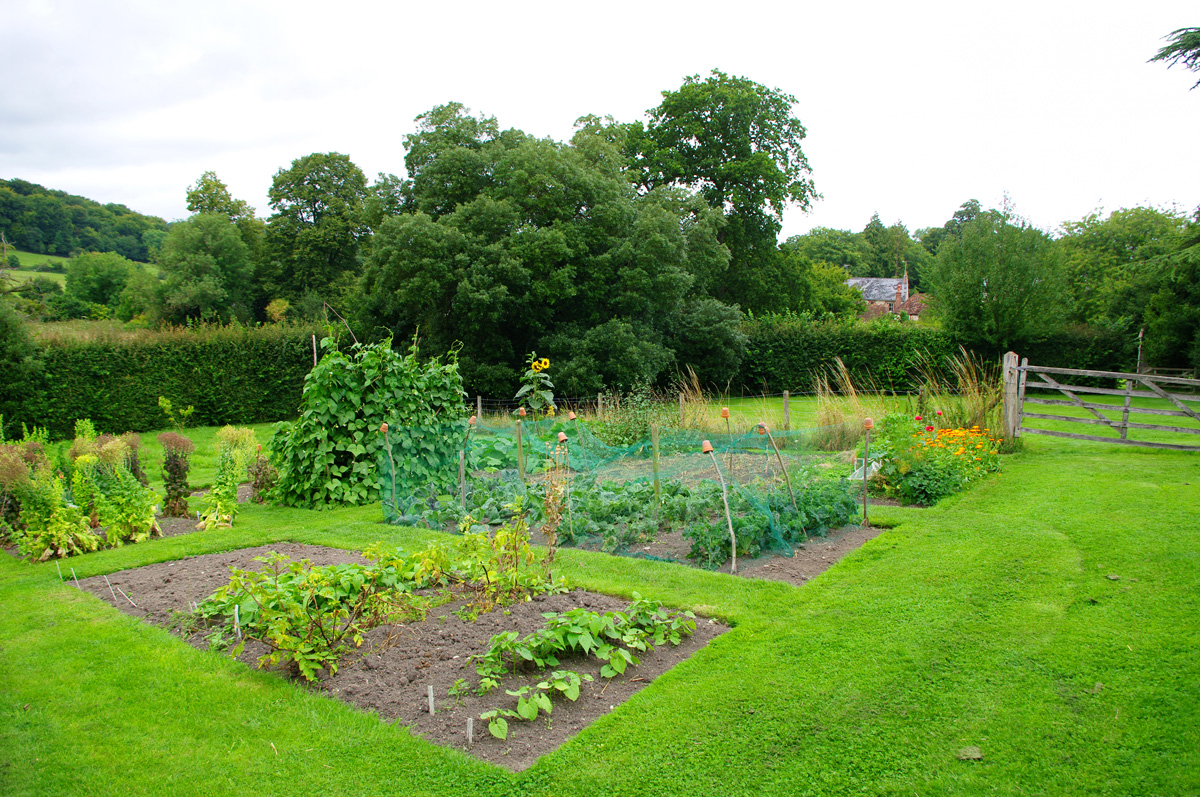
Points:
(866, 468)
(599, 404)
(314, 351)
(462, 478)
(520, 453)
(654, 448)
(1125, 411)
(787, 415)
(479, 409)
(682, 419)
(1012, 412)
(1021, 394)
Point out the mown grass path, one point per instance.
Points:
(990, 620)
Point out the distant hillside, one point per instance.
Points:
(46, 221)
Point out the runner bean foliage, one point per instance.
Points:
(331, 454)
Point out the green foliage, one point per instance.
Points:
(177, 418)
(737, 143)
(41, 220)
(263, 477)
(310, 617)
(612, 637)
(789, 352)
(313, 236)
(176, 463)
(998, 284)
(20, 397)
(236, 450)
(1182, 48)
(537, 391)
(920, 463)
(53, 527)
(534, 700)
(229, 374)
(331, 454)
(98, 278)
(509, 243)
(207, 269)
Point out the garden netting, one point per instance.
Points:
(782, 486)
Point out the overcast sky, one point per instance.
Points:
(911, 108)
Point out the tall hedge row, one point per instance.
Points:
(789, 353)
(234, 375)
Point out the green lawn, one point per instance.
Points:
(30, 259)
(21, 276)
(991, 620)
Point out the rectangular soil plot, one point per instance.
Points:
(393, 670)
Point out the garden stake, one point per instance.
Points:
(59, 569)
(766, 429)
(868, 424)
(479, 406)
(728, 434)
(431, 701)
(520, 453)
(383, 427)
(110, 589)
(707, 448)
(237, 622)
(787, 415)
(562, 439)
(470, 731)
(462, 478)
(76, 578)
(126, 597)
(657, 484)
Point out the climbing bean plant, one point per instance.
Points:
(329, 455)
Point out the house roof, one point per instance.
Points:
(879, 289)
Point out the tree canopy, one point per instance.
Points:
(998, 283)
(1182, 48)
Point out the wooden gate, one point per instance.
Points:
(1128, 387)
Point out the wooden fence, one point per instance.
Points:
(1127, 386)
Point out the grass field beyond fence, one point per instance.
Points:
(1048, 617)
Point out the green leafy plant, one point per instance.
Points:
(537, 391)
(334, 453)
(53, 527)
(263, 477)
(236, 447)
(534, 700)
(178, 417)
(177, 451)
(310, 617)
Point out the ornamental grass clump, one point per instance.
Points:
(920, 463)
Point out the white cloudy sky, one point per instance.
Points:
(911, 108)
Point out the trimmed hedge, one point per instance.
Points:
(789, 353)
(231, 375)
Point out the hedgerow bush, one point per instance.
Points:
(790, 352)
(230, 374)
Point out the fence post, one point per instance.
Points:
(479, 408)
(599, 404)
(682, 419)
(1012, 409)
(787, 415)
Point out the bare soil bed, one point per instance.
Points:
(393, 681)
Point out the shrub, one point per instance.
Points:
(176, 452)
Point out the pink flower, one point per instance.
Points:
(929, 428)
(919, 418)
(939, 412)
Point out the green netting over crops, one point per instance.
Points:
(618, 496)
